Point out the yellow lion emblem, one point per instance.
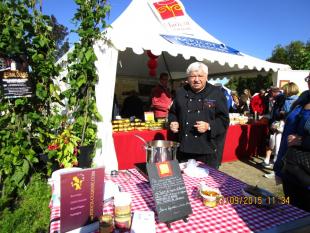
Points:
(76, 183)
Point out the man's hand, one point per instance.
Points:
(293, 140)
(174, 126)
(202, 126)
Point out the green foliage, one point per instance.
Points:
(27, 39)
(59, 33)
(254, 84)
(29, 125)
(82, 75)
(30, 212)
(296, 54)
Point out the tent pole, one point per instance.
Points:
(167, 68)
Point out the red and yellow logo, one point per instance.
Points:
(168, 9)
(164, 169)
(77, 182)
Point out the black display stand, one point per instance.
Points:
(169, 223)
(169, 192)
(141, 168)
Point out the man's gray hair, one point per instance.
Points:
(196, 66)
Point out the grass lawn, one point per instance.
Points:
(30, 212)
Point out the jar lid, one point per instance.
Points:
(106, 218)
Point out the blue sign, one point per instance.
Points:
(202, 44)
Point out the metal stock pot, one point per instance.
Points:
(160, 151)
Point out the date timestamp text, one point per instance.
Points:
(252, 200)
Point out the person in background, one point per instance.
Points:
(226, 92)
(248, 96)
(234, 108)
(278, 102)
(161, 97)
(198, 114)
(239, 105)
(243, 106)
(133, 106)
(303, 98)
(258, 103)
(275, 125)
(296, 176)
(268, 100)
(290, 128)
(290, 91)
(274, 144)
(220, 139)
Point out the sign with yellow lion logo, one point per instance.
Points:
(77, 182)
(81, 198)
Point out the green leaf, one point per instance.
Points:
(89, 54)
(40, 91)
(81, 80)
(19, 102)
(73, 100)
(25, 167)
(18, 175)
(15, 150)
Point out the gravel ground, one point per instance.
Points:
(250, 172)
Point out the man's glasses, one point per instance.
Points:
(307, 79)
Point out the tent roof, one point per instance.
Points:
(140, 28)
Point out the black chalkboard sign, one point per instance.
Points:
(15, 84)
(169, 191)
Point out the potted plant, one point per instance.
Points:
(87, 144)
(63, 148)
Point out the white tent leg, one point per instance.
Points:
(106, 70)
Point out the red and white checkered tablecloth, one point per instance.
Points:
(223, 218)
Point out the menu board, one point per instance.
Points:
(169, 191)
(81, 198)
(15, 84)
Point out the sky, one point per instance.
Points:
(252, 27)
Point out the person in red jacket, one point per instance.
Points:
(161, 97)
(258, 103)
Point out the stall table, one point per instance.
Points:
(244, 141)
(241, 141)
(226, 217)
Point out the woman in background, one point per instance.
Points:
(234, 108)
(243, 106)
(290, 91)
(248, 96)
(296, 176)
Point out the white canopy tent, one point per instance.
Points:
(164, 28)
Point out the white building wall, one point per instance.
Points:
(297, 76)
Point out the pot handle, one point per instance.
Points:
(141, 138)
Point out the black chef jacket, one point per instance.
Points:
(209, 105)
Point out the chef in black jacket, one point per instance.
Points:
(199, 115)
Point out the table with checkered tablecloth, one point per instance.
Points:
(223, 218)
